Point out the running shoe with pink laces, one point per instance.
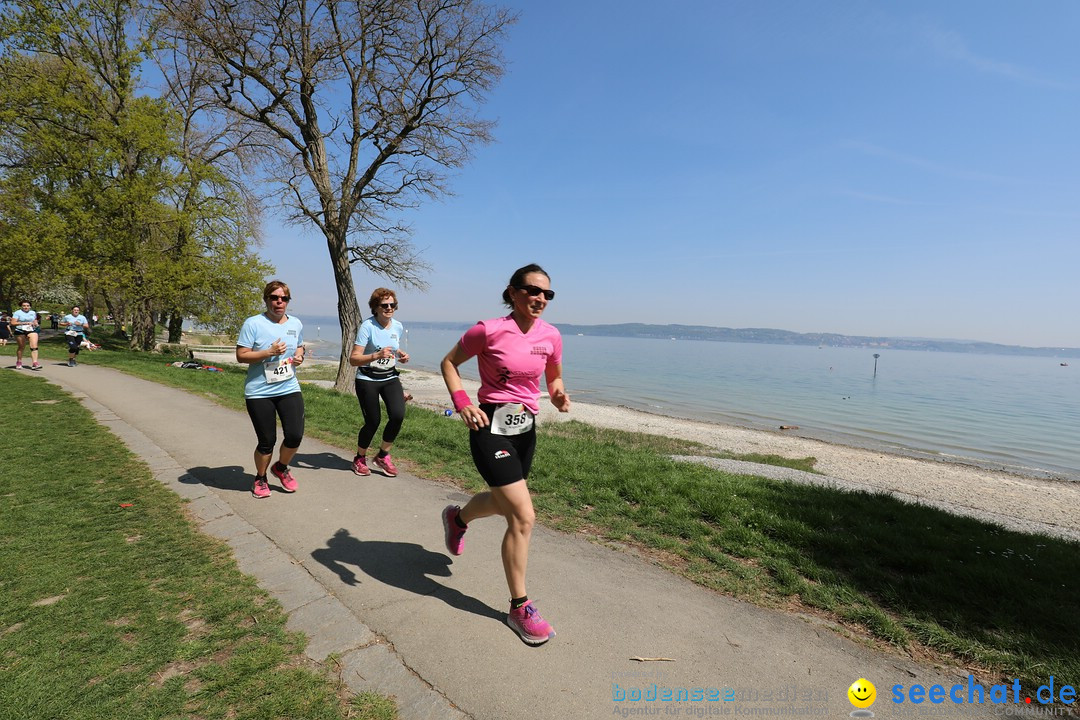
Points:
(18, 365)
(261, 488)
(386, 465)
(528, 624)
(359, 466)
(288, 482)
(455, 536)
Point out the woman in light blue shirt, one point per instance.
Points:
(25, 324)
(76, 324)
(375, 355)
(271, 344)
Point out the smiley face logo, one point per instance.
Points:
(862, 693)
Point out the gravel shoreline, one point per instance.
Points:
(1017, 502)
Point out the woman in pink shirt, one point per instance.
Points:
(512, 352)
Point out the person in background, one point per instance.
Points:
(512, 353)
(375, 355)
(76, 324)
(5, 329)
(271, 344)
(26, 325)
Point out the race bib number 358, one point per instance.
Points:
(511, 419)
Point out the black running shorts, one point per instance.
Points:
(501, 459)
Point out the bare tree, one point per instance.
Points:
(370, 103)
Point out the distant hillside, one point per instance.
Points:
(786, 337)
(770, 336)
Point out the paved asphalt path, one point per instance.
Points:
(360, 566)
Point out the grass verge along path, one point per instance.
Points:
(1000, 602)
(115, 606)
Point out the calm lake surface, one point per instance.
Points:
(1009, 412)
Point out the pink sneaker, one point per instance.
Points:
(386, 465)
(527, 623)
(261, 489)
(359, 466)
(18, 365)
(455, 536)
(288, 482)
(35, 366)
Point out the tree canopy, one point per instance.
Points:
(348, 113)
(99, 186)
(363, 108)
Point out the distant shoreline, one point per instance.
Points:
(765, 336)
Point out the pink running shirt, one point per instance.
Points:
(512, 362)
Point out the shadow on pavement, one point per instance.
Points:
(229, 477)
(400, 565)
(323, 460)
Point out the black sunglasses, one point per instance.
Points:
(388, 306)
(534, 291)
(280, 298)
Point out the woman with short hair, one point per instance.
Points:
(375, 355)
(271, 344)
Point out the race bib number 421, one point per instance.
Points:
(276, 372)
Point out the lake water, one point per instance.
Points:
(1009, 412)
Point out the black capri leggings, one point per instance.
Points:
(264, 413)
(368, 393)
(74, 343)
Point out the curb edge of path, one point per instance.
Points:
(367, 662)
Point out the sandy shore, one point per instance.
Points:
(1020, 503)
(1013, 501)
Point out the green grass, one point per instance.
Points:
(1000, 602)
(115, 606)
(319, 372)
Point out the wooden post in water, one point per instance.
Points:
(876, 356)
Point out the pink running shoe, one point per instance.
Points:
(527, 623)
(455, 536)
(18, 365)
(386, 465)
(261, 489)
(35, 366)
(288, 482)
(359, 466)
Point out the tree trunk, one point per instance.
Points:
(142, 326)
(348, 309)
(176, 327)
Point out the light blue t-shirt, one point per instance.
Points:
(77, 323)
(373, 337)
(23, 318)
(259, 333)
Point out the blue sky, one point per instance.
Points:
(867, 168)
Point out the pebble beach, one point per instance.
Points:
(1016, 502)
